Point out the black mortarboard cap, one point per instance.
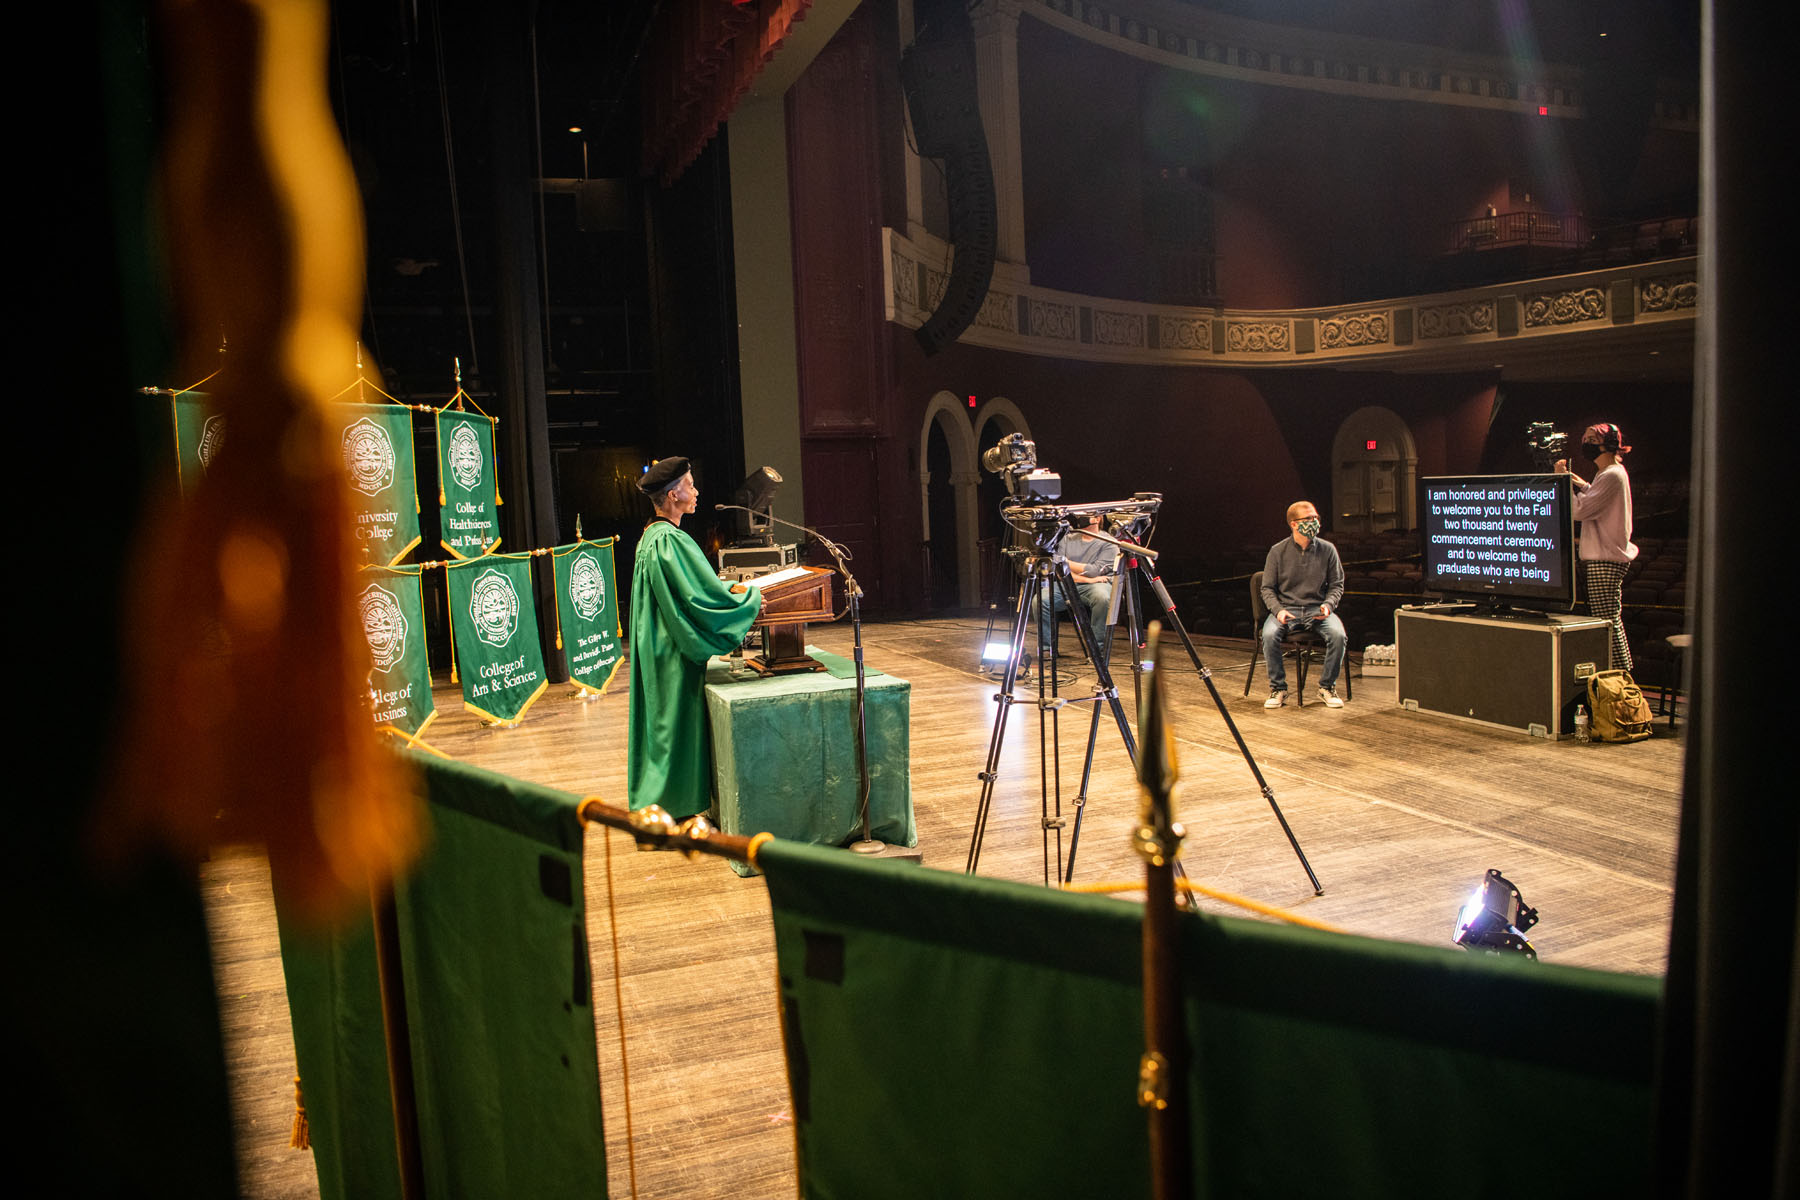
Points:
(661, 474)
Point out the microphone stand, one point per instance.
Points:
(853, 594)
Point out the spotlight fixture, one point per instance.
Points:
(757, 493)
(994, 655)
(1495, 918)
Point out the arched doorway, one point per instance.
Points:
(948, 474)
(1374, 470)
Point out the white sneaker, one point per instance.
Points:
(1329, 698)
(1276, 699)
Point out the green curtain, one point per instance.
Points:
(393, 618)
(951, 1035)
(494, 626)
(587, 611)
(494, 957)
(468, 489)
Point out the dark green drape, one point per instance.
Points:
(949, 1035)
(495, 961)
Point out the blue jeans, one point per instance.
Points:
(1274, 633)
(1096, 598)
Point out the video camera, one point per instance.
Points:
(1546, 445)
(1014, 459)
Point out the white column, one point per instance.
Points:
(968, 537)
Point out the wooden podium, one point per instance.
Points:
(791, 598)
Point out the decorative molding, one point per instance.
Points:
(906, 279)
(1668, 293)
(1456, 320)
(1184, 333)
(1463, 330)
(1566, 307)
(1259, 337)
(996, 312)
(1355, 329)
(1049, 319)
(1118, 329)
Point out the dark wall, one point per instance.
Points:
(840, 194)
(1229, 449)
(1303, 182)
(1309, 188)
(1656, 419)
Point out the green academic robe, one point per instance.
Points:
(681, 615)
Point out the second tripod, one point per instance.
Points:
(1046, 574)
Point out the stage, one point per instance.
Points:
(1399, 813)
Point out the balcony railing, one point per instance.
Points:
(1558, 230)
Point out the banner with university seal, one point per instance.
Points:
(377, 445)
(468, 484)
(199, 436)
(587, 611)
(494, 635)
(392, 608)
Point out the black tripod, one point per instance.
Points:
(1137, 559)
(1044, 569)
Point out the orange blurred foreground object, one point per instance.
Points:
(249, 718)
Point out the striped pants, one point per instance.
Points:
(1604, 582)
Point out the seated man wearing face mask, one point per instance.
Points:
(1303, 580)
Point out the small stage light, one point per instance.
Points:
(1495, 918)
(994, 655)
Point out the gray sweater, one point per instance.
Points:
(1301, 580)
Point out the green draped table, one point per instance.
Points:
(784, 754)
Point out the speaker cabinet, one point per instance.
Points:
(938, 76)
(1526, 672)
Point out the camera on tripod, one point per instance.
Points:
(1546, 445)
(1014, 459)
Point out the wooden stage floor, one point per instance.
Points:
(1399, 813)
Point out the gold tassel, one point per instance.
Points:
(249, 719)
(301, 1137)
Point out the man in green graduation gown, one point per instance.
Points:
(681, 615)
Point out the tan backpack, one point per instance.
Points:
(1620, 712)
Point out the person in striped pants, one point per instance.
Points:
(1603, 506)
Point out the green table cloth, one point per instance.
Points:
(784, 756)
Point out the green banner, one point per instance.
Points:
(199, 436)
(587, 611)
(378, 453)
(393, 619)
(494, 628)
(468, 485)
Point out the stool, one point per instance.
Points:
(1671, 684)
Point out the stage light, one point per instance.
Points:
(995, 654)
(757, 493)
(1495, 918)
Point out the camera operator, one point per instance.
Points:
(1604, 509)
(1091, 564)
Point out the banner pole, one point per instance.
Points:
(1163, 1070)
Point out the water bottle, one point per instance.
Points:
(1581, 723)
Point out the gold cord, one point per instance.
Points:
(1188, 885)
(612, 919)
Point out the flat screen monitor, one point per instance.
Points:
(1499, 540)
